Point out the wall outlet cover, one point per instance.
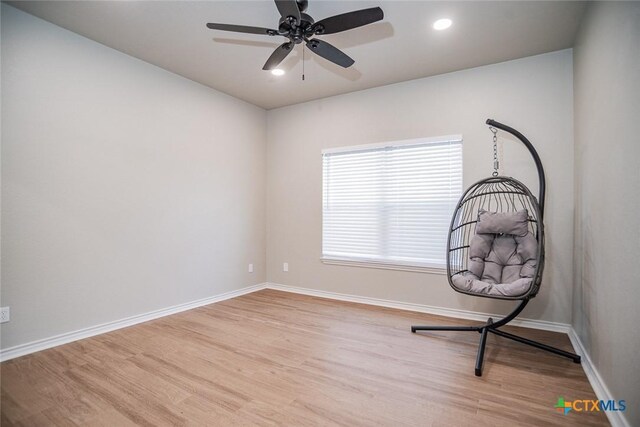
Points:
(5, 314)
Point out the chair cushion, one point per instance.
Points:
(500, 263)
(515, 223)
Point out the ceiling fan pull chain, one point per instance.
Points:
(303, 62)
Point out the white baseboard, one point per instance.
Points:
(617, 419)
(439, 311)
(43, 344)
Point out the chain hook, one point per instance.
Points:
(496, 164)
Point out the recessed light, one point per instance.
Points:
(442, 24)
(277, 72)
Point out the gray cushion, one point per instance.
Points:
(500, 262)
(515, 223)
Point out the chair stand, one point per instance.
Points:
(492, 327)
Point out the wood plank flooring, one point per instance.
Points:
(275, 358)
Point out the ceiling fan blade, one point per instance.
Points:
(242, 29)
(278, 56)
(288, 8)
(330, 52)
(347, 21)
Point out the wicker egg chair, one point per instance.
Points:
(496, 248)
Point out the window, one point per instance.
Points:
(390, 204)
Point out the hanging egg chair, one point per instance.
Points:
(495, 247)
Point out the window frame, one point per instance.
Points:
(382, 263)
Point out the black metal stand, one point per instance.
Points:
(492, 327)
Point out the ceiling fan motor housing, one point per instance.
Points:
(296, 32)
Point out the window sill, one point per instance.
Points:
(383, 265)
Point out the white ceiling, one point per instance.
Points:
(172, 35)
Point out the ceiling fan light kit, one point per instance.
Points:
(299, 27)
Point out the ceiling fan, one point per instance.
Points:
(297, 26)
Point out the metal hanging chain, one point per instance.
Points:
(496, 164)
(303, 62)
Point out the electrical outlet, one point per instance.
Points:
(285, 266)
(5, 314)
(250, 268)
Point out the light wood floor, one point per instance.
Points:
(275, 358)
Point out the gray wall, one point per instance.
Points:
(607, 176)
(534, 95)
(125, 188)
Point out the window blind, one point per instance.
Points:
(391, 203)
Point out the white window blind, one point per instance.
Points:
(391, 203)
